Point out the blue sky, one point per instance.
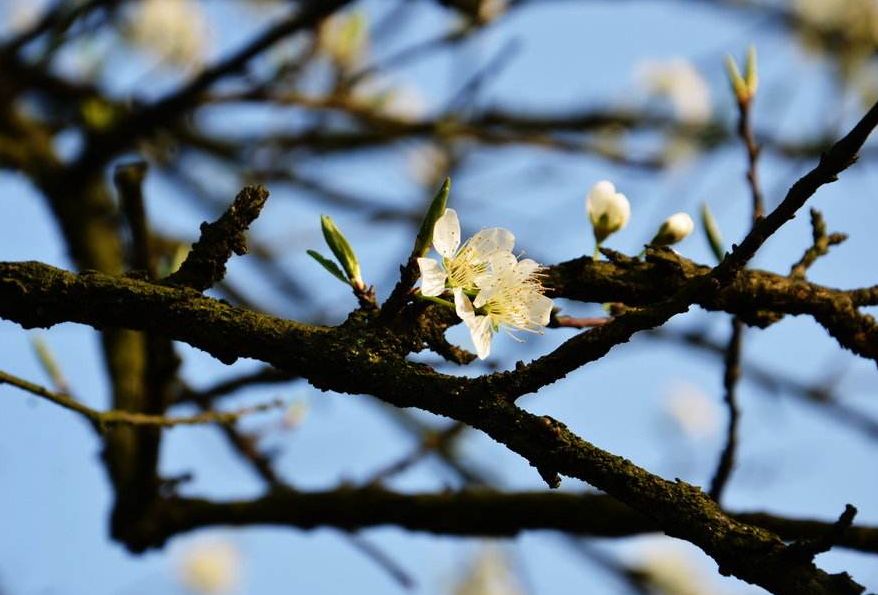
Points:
(793, 461)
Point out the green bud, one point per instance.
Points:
(342, 250)
(751, 75)
(437, 208)
(744, 87)
(739, 86)
(712, 232)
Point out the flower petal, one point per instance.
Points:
(492, 239)
(539, 309)
(432, 277)
(463, 306)
(481, 331)
(446, 234)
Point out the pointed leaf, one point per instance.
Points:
(329, 266)
(712, 232)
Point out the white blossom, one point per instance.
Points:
(175, 30)
(343, 38)
(427, 164)
(510, 295)
(210, 567)
(679, 81)
(608, 210)
(397, 101)
(693, 411)
(670, 569)
(461, 265)
(673, 229)
(491, 573)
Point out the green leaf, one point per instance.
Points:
(739, 86)
(751, 74)
(329, 266)
(436, 210)
(711, 230)
(341, 249)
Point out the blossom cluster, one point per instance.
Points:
(492, 288)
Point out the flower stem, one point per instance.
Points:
(435, 300)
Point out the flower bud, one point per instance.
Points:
(673, 229)
(608, 210)
(744, 87)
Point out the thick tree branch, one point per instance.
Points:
(469, 513)
(757, 297)
(355, 359)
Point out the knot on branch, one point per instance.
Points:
(206, 263)
(807, 549)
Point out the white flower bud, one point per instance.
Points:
(608, 210)
(674, 229)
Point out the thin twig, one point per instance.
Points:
(102, 419)
(821, 242)
(578, 322)
(730, 379)
(732, 359)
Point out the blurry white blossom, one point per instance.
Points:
(397, 101)
(21, 16)
(855, 21)
(607, 209)
(673, 229)
(679, 82)
(693, 411)
(824, 13)
(427, 164)
(343, 38)
(679, 150)
(490, 574)
(670, 571)
(210, 567)
(174, 30)
(294, 415)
